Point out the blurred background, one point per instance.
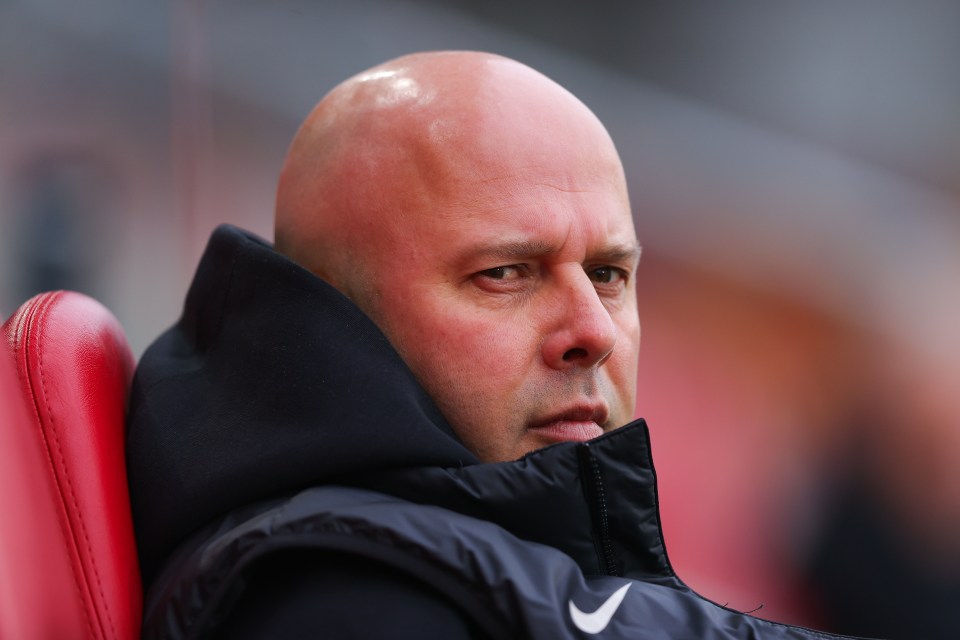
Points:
(795, 177)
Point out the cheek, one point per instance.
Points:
(631, 335)
(622, 366)
(458, 349)
(622, 370)
(486, 350)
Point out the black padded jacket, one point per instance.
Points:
(291, 479)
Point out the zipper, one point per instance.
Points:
(596, 499)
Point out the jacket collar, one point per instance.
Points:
(595, 501)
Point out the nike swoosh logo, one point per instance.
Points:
(598, 620)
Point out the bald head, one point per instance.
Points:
(477, 212)
(379, 146)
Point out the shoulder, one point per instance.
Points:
(337, 595)
(359, 558)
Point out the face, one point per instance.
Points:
(510, 292)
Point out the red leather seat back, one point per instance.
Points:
(68, 563)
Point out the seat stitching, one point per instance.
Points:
(22, 346)
(69, 484)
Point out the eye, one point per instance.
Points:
(509, 272)
(510, 278)
(607, 275)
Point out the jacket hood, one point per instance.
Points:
(270, 382)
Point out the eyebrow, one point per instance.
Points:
(517, 249)
(620, 253)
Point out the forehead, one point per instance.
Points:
(525, 162)
(513, 217)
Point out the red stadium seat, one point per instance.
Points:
(68, 563)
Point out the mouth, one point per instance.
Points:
(577, 424)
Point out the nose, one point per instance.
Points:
(583, 333)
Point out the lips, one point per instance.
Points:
(574, 425)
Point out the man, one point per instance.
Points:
(478, 213)
(298, 470)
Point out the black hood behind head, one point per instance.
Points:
(272, 381)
